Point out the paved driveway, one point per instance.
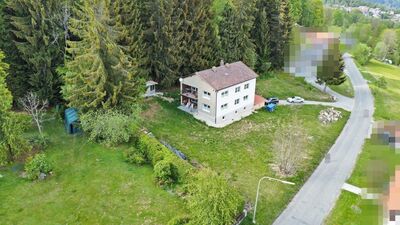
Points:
(316, 198)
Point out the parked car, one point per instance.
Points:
(273, 100)
(295, 99)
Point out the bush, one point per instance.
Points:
(109, 127)
(134, 156)
(211, 200)
(155, 152)
(381, 82)
(165, 172)
(36, 165)
(179, 220)
(38, 142)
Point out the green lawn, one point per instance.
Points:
(92, 185)
(283, 85)
(242, 151)
(345, 89)
(376, 163)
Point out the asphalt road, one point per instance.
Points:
(312, 204)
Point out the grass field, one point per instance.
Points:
(242, 152)
(345, 89)
(283, 85)
(376, 163)
(91, 185)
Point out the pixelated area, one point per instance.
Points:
(309, 49)
(391, 201)
(387, 133)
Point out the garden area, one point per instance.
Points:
(377, 162)
(90, 184)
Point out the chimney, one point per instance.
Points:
(222, 62)
(214, 69)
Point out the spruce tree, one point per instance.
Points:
(330, 70)
(261, 37)
(234, 31)
(166, 47)
(285, 27)
(99, 74)
(199, 40)
(37, 35)
(131, 34)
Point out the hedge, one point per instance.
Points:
(155, 152)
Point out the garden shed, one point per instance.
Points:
(71, 121)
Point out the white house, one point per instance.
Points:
(220, 95)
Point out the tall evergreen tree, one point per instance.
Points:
(330, 70)
(234, 31)
(261, 37)
(199, 40)
(165, 50)
(99, 75)
(285, 28)
(131, 34)
(36, 33)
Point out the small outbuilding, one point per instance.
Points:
(150, 88)
(71, 121)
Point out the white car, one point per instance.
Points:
(295, 99)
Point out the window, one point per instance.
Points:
(224, 106)
(206, 108)
(245, 98)
(206, 94)
(246, 86)
(225, 93)
(237, 101)
(237, 89)
(223, 117)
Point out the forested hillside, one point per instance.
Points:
(372, 3)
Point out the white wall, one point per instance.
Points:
(235, 112)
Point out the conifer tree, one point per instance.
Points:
(99, 74)
(199, 41)
(261, 37)
(285, 28)
(37, 36)
(330, 71)
(165, 50)
(131, 34)
(234, 31)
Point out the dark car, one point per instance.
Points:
(273, 100)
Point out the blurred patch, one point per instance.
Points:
(387, 133)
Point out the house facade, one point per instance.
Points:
(220, 95)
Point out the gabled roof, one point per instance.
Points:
(227, 75)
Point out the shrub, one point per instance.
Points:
(155, 152)
(36, 165)
(109, 127)
(381, 82)
(38, 142)
(179, 220)
(211, 200)
(165, 172)
(133, 155)
(362, 53)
